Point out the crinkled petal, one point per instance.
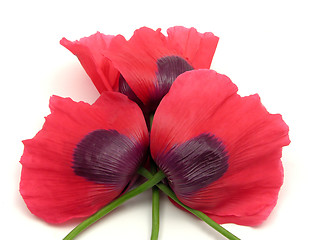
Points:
(195, 47)
(100, 69)
(203, 101)
(52, 183)
(252, 192)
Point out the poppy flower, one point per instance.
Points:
(148, 62)
(84, 157)
(220, 151)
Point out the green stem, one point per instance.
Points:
(155, 213)
(155, 197)
(155, 206)
(144, 172)
(114, 204)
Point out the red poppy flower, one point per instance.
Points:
(149, 62)
(84, 157)
(220, 151)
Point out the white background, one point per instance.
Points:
(264, 48)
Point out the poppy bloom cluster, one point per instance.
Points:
(220, 152)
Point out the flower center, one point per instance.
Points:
(107, 157)
(194, 164)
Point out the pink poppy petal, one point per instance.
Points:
(88, 50)
(197, 48)
(52, 183)
(204, 102)
(136, 59)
